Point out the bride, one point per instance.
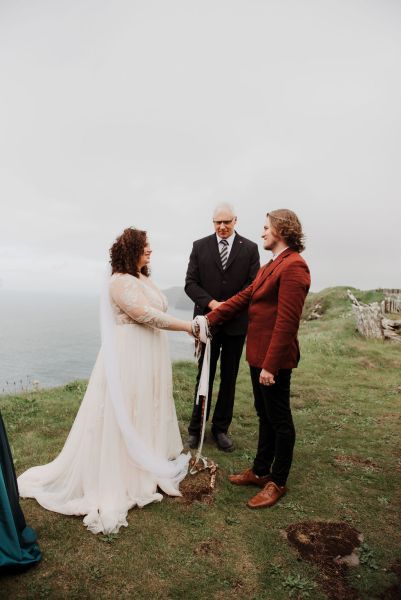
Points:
(125, 442)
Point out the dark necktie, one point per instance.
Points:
(223, 253)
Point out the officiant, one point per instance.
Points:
(220, 265)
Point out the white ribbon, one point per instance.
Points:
(202, 325)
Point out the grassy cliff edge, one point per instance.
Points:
(347, 467)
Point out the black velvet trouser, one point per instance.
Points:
(276, 427)
(229, 349)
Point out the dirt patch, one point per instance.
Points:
(344, 460)
(393, 592)
(332, 547)
(392, 416)
(323, 540)
(208, 547)
(198, 487)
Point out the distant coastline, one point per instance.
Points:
(54, 339)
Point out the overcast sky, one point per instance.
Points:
(148, 113)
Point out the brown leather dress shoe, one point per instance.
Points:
(248, 477)
(268, 496)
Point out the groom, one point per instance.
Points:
(274, 301)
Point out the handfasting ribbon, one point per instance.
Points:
(203, 336)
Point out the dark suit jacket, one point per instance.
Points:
(274, 301)
(206, 280)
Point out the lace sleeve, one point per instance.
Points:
(127, 294)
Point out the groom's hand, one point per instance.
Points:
(266, 378)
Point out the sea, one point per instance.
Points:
(48, 340)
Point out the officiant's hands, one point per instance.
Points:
(214, 304)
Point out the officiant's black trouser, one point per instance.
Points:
(276, 427)
(230, 349)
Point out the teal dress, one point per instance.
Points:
(18, 547)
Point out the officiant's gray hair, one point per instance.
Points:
(224, 206)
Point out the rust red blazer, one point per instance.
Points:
(274, 300)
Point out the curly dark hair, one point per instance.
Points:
(289, 227)
(126, 252)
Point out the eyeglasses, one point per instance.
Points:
(223, 222)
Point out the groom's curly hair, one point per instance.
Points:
(289, 227)
(126, 252)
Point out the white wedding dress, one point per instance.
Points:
(97, 473)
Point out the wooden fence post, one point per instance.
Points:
(368, 317)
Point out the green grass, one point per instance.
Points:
(346, 405)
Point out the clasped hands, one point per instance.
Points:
(194, 331)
